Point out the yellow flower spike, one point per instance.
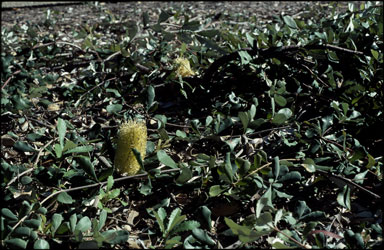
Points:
(132, 134)
(184, 68)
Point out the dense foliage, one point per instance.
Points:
(273, 137)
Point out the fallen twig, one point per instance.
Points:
(346, 181)
(30, 169)
(9, 79)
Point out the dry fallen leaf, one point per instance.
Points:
(7, 140)
(53, 107)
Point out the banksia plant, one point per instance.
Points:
(131, 135)
(183, 67)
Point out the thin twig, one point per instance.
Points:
(316, 76)
(9, 79)
(337, 144)
(96, 86)
(289, 237)
(32, 168)
(349, 183)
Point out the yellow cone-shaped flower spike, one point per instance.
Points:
(183, 67)
(131, 135)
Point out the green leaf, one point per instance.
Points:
(344, 197)
(278, 216)
(371, 161)
(86, 164)
(194, 25)
(25, 180)
(114, 108)
(244, 232)
(132, 29)
(276, 167)
(252, 112)
(209, 33)
(245, 57)
(16, 243)
(281, 116)
(65, 198)
(80, 149)
(208, 120)
(41, 244)
(243, 166)
(309, 165)
(210, 44)
(302, 209)
(145, 19)
(215, 190)
(138, 158)
(25, 209)
(291, 177)
(280, 100)
(309, 227)
(69, 145)
(202, 235)
(146, 187)
(232, 143)
(21, 103)
(114, 91)
(250, 39)
(61, 130)
(22, 231)
(151, 96)
(181, 134)
(58, 150)
(375, 54)
(327, 122)
(264, 219)
(207, 216)
(160, 216)
(185, 175)
(110, 182)
(279, 245)
(56, 222)
(228, 166)
(244, 119)
(164, 15)
(23, 147)
(265, 201)
(102, 220)
(186, 226)
(354, 240)
(166, 159)
(84, 224)
(288, 20)
(34, 223)
(173, 242)
(116, 237)
(72, 222)
(8, 214)
(174, 219)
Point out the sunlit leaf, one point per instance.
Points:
(288, 20)
(344, 197)
(166, 159)
(65, 198)
(61, 129)
(56, 222)
(84, 224)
